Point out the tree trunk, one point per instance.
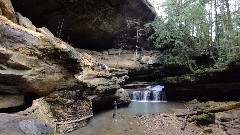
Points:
(211, 20)
(216, 24)
(230, 27)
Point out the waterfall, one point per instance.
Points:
(146, 95)
(136, 95)
(156, 95)
(150, 93)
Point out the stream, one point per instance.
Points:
(139, 108)
(104, 123)
(149, 100)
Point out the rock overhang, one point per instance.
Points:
(93, 25)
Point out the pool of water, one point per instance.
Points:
(137, 107)
(102, 123)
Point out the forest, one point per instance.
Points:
(190, 29)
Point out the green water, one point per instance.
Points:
(101, 120)
(150, 107)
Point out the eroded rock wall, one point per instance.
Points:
(28, 61)
(212, 84)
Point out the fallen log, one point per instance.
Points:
(216, 109)
(185, 119)
(185, 122)
(220, 108)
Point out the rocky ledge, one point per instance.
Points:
(142, 66)
(210, 84)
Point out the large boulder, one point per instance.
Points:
(63, 111)
(19, 125)
(92, 24)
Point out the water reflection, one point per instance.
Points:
(104, 120)
(150, 107)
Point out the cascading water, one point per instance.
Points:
(156, 95)
(146, 95)
(150, 93)
(135, 95)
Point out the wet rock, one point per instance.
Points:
(32, 127)
(227, 118)
(205, 119)
(208, 131)
(123, 95)
(196, 105)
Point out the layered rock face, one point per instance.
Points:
(92, 24)
(33, 62)
(142, 66)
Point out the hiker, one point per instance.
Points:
(114, 114)
(115, 107)
(137, 49)
(115, 104)
(102, 67)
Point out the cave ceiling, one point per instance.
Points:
(89, 24)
